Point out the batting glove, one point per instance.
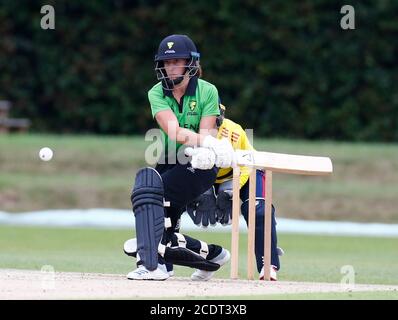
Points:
(202, 158)
(222, 149)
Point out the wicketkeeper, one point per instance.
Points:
(215, 205)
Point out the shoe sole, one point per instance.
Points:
(151, 279)
(203, 279)
(147, 279)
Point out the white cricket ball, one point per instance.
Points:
(46, 154)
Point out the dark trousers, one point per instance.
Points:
(183, 184)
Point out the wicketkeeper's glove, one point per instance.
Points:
(224, 203)
(224, 207)
(203, 209)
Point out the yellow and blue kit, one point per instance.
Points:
(239, 140)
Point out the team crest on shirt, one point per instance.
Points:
(192, 105)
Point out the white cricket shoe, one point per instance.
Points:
(130, 248)
(273, 275)
(221, 259)
(171, 273)
(142, 273)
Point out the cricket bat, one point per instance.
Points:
(285, 163)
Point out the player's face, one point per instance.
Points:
(175, 67)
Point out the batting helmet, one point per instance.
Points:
(176, 46)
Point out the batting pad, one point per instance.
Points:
(147, 200)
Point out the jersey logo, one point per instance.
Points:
(170, 44)
(192, 105)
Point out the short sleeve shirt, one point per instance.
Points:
(200, 100)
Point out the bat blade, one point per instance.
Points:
(285, 163)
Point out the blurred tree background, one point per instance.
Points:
(284, 68)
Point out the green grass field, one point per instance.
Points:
(98, 171)
(307, 258)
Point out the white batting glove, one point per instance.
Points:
(223, 150)
(202, 158)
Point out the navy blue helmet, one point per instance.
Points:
(176, 46)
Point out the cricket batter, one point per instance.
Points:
(185, 107)
(208, 208)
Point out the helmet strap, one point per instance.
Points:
(172, 83)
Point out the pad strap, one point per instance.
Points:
(182, 242)
(204, 249)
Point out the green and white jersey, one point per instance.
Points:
(200, 100)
